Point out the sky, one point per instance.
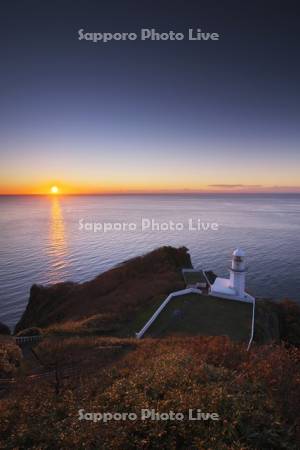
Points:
(149, 116)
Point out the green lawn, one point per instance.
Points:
(143, 315)
(195, 314)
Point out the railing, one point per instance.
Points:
(25, 339)
(252, 326)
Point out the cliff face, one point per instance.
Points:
(275, 322)
(116, 294)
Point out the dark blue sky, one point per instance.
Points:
(147, 115)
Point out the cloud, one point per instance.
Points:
(235, 186)
(255, 188)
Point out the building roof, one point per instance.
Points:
(211, 276)
(222, 286)
(238, 252)
(193, 276)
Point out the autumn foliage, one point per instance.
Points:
(256, 394)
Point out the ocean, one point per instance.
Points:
(48, 240)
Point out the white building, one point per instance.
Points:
(233, 287)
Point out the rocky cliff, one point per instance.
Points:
(114, 296)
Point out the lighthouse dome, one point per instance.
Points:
(238, 252)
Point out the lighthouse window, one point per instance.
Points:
(238, 259)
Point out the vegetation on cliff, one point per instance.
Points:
(277, 322)
(10, 359)
(114, 297)
(256, 394)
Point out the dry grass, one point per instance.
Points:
(256, 394)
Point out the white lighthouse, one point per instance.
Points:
(238, 272)
(234, 287)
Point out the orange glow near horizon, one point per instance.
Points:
(155, 187)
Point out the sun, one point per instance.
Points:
(54, 190)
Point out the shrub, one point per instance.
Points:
(10, 359)
(32, 331)
(256, 395)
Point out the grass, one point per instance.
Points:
(256, 395)
(143, 316)
(196, 314)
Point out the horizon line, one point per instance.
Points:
(62, 194)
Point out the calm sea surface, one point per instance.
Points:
(48, 239)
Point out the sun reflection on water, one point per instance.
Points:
(57, 242)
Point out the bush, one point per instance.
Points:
(32, 331)
(256, 394)
(10, 358)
